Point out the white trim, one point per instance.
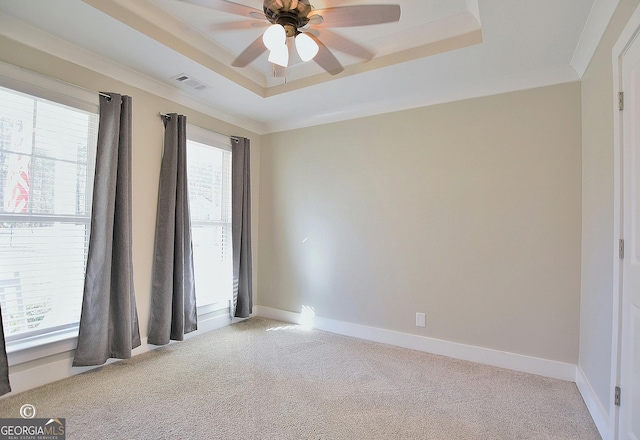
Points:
(43, 374)
(48, 344)
(208, 324)
(616, 288)
(630, 31)
(599, 18)
(487, 356)
(26, 34)
(208, 137)
(204, 310)
(35, 84)
(39, 375)
(32, 83)
(598, 412)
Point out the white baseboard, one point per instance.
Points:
(210, 323)
(28, 378)
(487, 356)
(598, 413)
(61, 369)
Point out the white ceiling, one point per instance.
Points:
(422, 23)
(441, 50)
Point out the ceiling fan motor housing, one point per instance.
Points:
(280, 12)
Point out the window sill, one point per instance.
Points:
(41, 346)
(38, 347)
(214, 307)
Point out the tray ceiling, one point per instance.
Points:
(425, 28)
(439, 51)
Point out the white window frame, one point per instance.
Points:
(32, 83)
(217, 140)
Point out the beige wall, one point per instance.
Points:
(598, 242)
(146, 156)
(468, 211)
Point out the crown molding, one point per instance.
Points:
(443, 95)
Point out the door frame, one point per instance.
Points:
(629, 34)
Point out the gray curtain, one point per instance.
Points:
(109, 320)
(4, 364)
(241, 228)
(173, 295)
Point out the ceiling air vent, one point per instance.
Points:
(190, 82)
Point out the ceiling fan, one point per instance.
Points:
(299, 21)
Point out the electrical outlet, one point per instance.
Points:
(421, 320)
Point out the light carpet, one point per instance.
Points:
(262, 379)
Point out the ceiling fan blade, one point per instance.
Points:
(362, 15)
(227, 6)
(252, 52)
(343, 44)
(236, 25)
(258, 16)
(314, 19)
(325, 58)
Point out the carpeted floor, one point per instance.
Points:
(261, 379)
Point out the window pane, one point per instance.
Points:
(209, 174)
(47, 152)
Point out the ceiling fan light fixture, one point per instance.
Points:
(279, 55)
(307, 48)
(274, 37)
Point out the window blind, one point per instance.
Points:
(47, 154)
(209, 179)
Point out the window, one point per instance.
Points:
(209, 176)
(47, 155)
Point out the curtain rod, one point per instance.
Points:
(164, 115)
(233, 138)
